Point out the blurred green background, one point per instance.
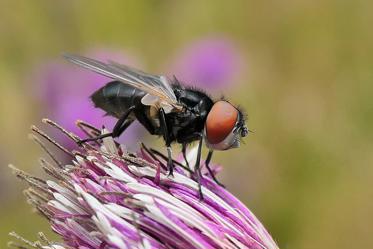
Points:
(306, 84)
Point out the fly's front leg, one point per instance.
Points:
(197, 167)
(207, 162)
(119, 127)
(167, 138)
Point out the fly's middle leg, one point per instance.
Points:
(183, 150)
(167, 138)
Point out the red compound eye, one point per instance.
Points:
(220, 121)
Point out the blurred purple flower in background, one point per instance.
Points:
(208, 63)
(109, 199)
(64, 90)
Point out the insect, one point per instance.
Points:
(165, 107)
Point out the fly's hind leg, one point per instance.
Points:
(121, 125)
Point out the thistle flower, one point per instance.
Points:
(210, 63)
(109, 198)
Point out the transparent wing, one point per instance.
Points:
(157, 81)
(152, 84)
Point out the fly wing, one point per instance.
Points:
(155, 85)
(157, 81)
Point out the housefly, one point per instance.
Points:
(167, 108)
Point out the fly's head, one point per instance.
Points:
(224, 127)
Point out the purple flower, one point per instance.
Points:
(64, 89)
(108, 198)
(211, 63)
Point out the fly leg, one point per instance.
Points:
(183, 150)
(166, 136)
(207, 162)
(121, 125)
(197, 168)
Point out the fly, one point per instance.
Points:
(179, 113)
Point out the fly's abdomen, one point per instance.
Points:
(115, 98)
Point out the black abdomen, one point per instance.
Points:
(115, 98)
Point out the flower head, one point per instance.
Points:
(110, 198)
